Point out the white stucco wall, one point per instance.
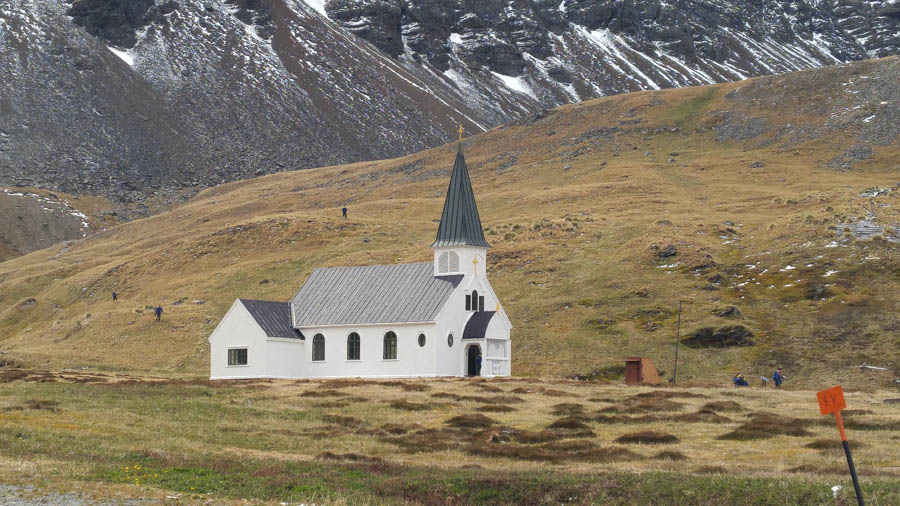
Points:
(284, 357)
(237, 330)
(412, 360)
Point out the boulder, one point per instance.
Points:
(724, 337)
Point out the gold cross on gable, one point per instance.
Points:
(475, 262)
(460, 132)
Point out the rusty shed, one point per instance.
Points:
(640, 371)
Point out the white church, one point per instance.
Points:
(439, 318)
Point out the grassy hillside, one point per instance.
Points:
(749, 181)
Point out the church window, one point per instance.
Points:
(468, 302)
(474, 300)
(353, 346)
(448, 261)
(481, 303)
(237, 356)
(450, 339)
(390, 346)
(318, 348)
(422, 340)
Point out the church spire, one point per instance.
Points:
(460, 224)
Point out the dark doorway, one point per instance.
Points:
(474, 355)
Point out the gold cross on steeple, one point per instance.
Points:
(460, 132)
(475, 262)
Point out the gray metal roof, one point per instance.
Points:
(460, 224)
(372, 294)
(478, 324)
(273, 317)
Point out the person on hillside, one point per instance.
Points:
(777, 377)
(158, 311)
(344, 211)
(739, 381)
(115, 296)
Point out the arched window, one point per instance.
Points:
(448, 261)
(390, 346)
(318, 348)
(474, 300)
(421, 340)
(353, 346)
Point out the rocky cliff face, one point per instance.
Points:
(151, 99)
(558, 51)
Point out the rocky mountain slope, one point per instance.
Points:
(135, 100)
(559, 51)
(770, 207)
(147, 100)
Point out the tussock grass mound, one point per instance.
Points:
(349, 457)
(669, 394)
(499, 399)
(647, 437)
(484, 387)
(764, 425)
(345, 421)
(324, 393)
(569, 423)
(556, 451)
(710, 470)
(643, 405)
(409, 406)
(567, 409)
(670, 455)
(723, 406)
(474, 421)
(832, 444)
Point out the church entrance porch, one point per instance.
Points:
(473, 362)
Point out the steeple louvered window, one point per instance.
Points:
(448, 261)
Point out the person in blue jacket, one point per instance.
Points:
(739, 381)
(158, 312)
(778, 377)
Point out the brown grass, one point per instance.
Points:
(409, 406)
(496, 408)
(569, 423)
(567, 409)
(723, 406)
(473, 421)
(647, 437)
(764, 425)
(832, 444)
(556, 451)
(670, 455)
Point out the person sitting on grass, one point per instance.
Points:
(739, 381)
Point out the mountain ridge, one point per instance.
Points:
(146, 102)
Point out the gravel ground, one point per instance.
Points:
(11, 495)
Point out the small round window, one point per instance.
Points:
(421, 340)
(450, 340)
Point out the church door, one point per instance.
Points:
(474, 360)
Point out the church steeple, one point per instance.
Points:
(460, 224)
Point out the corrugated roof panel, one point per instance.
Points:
(274, 318)
(371, 294)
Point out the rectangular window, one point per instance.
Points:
(481, 302)
(468, 302)
(237, 356)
